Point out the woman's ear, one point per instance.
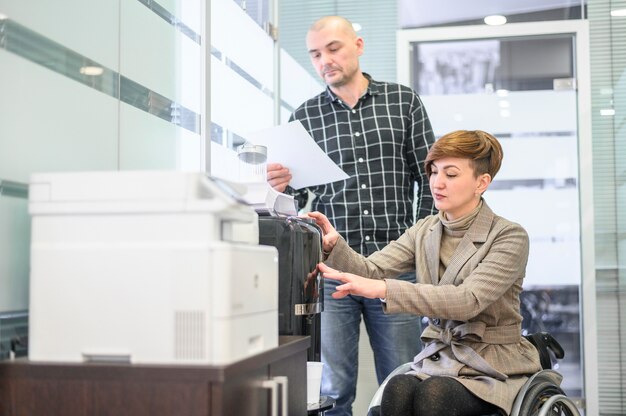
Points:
(483, 183)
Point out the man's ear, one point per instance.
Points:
(359, 45)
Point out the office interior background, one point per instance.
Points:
(88, 85)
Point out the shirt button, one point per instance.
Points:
(357, 134)
(361, 159)
(363, 186)
(353, 111)
(366, 212)
(367, 238)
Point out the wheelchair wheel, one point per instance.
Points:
(537, 395)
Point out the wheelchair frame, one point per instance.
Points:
(541, 395)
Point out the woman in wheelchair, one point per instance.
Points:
(470, 266)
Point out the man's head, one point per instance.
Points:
(334, 49)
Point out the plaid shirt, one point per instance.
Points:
(381, 144)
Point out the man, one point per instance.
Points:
(379, 134)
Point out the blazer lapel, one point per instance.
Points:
(432, 244)
(477, 233)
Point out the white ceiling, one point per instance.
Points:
(418, 13)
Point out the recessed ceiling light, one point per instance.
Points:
(3, 16)
(502, 93)
(618, 13)
(505, 113)
(504, 104)
(91, 70)
(607, 112)
(495, 20)
(356, 27)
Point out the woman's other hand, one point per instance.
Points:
(330, 236)
(353, 284)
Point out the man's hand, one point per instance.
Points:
(278, 176)
(353, 284)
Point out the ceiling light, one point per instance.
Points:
(91, 70)
(356, 27)
(3, 16)
(502, 93)
(505, 113)
(607, 112)
(504, 104)
(495, 20)
(618, 13)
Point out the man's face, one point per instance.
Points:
(334, 54)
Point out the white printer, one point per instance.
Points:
(147, 267)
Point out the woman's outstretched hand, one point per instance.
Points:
(330, 236)
(353, 284)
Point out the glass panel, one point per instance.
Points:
(166, 34)
(297, 85)
(14, 247)
(242, 82)
(608, 81)
(516, 64)
(49, 122)
(258, 10)
(506, 86)
(461, 12)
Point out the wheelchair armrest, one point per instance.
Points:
(545, 343)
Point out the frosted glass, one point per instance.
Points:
(297, 85)
(224, 162)
(556, 159)
(240, 39)
(14, 253)
(554, 238)
(191, 13)
(89, 27)
(146, 142)
(51, 123)
(285, 114)
(237, 105)
(190, 76)
(190, 150)
(148, 49)
(529, 111)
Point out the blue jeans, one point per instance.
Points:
(394, 338)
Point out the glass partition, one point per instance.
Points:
(90, 86)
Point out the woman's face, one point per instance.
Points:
(454, 187)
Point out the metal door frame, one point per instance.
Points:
(580, 31)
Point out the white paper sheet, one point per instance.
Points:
(292, 146)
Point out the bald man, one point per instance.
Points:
(379, 134)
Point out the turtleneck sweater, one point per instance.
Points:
(453, 232)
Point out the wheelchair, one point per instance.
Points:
(541, 395)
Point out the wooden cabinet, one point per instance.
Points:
(255, 386)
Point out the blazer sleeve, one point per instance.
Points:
(394, 259)
(502, 265)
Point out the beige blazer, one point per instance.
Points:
(474, 331)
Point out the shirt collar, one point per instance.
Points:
(373, 88)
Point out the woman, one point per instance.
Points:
(470, 265)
